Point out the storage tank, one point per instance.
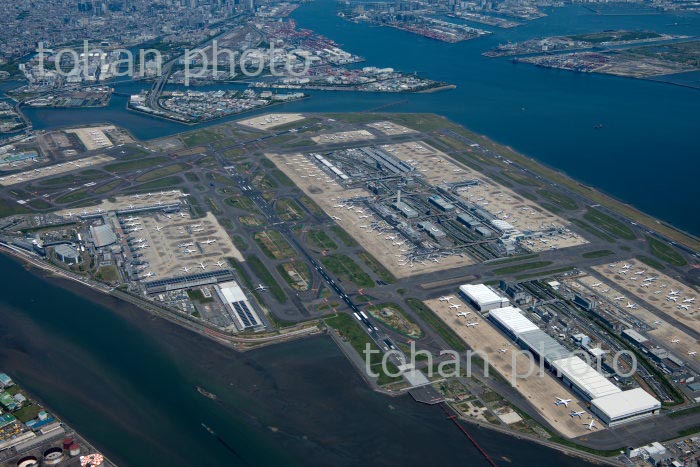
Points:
(29, 461)
(74, 449)
(53, 456)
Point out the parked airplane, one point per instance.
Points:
(503, 350)
(672, 299)
(577, 414)
(220, 264)
(590, 426)
(474, 323)
(683, 307)
(158, 228)
(693, 353)
(196, 226)
(182, 214)
(455, 306)
(185, 269)
(446, 299)
(207, 242)
(631, 305)
(675, 341)
(674, 292)
(150, 274)
(597, 284)
(203, 266)
(464, 313)
(261, 287)
(185, 245)
(689, 300)
(564, 402)
(617, 299)
(188, 251)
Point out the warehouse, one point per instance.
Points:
(102, 235)
(583, 379)
(625, 406)
(238, 306)
(67, 254)
(482, 297)
(512, 321)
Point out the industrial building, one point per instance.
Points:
(238, 306)
(625, 406)
(482, 297)
(67, 254)
(102, 235)
(609, 402)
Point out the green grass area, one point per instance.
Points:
(198, 295)
(346, 269)
(377, 267)
(136, 164)
(559, 199)
(242, 202)
(281, 177)
(432, 320)
(344, 237)
(274, 245)
(320, 239)
(665, 252)
(28, 412)
(107, 187)
(289, 210)
(240, 243)
(609, 224)
(302, 269)
(592, 230)
(684, 412)
(550, 272)
(522, 267)
(160, 184)
(394, 317)
(651, 262)
(597, 254)
(199, 138)
(261, 271)
(162, 172)
(39, 204)
(310, 205)
(614, 36)
(73, 196)
(107, 274)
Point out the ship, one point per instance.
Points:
(207, 394)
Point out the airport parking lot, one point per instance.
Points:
(177, 246)
(390, 129)
(94, 137)
(343, 137)
(270, 120)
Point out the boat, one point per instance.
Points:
(207, 394)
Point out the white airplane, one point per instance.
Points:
(618, 299)
(188, 251)
(185, 245)
(577, 414)
(675, 341)
(689, 300)
(672, 299)
(631, 305)
(597, 284)
(220, 264)
(683, 307)
(336, 218)
(564, 402)
(203, 266)
(503, 350)
(693, 353)
(590, 426)
(261, 287)
(196, 226)
(446, 299)
(475, 323)
(150, 274)
(455, 306)
(674, 292)
(185, 269)
(657, 322)
(207, 242)
(158, 228)
(464, 313)
(626, 266)
(182, 214)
